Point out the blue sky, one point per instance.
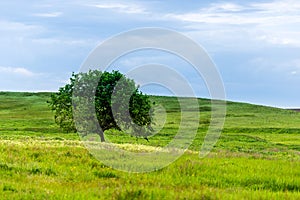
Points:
(255, 45)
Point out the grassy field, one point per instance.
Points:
(256, 157)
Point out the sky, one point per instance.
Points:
(255, 45)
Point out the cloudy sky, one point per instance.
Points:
(255, 45)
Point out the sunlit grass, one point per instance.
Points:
(256, 157)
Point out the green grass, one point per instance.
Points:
(256, 157)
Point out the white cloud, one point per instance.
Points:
(281, 38)
(227, 7)
(122, 8)
(18, 27)
(294, 72)
(229, 13)
(275, 23)
(17, 71)
(52, 14)
(65, 41)
(290, 67)
(279, 6)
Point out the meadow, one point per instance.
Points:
(256, 157)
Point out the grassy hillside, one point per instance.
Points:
(256, 157)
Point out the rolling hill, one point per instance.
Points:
(256, 157)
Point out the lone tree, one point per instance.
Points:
(97, 101)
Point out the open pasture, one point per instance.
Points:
(256, 157)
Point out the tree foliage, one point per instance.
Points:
(97, 101)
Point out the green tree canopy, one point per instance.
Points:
(97, 101)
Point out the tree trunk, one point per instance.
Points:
(101, 134)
